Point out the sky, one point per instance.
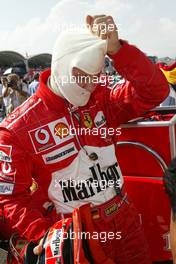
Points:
(31, 27)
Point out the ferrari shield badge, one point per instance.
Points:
(88, 120)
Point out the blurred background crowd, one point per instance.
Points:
(19, 77)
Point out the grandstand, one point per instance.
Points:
(22, 64)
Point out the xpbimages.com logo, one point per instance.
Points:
(103, 132)
(98, 181)
(104, 80)
(71, 27)
(100, 236)
(82, 184)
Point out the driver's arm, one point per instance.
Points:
(144, 86)
(21, 213)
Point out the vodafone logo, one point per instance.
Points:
(42, 136)
(6, 168)
(50, 135)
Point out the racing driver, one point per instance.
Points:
(36, 142)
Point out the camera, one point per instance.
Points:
(11, 83)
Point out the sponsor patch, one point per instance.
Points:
(6, 188)
(4, 157)
(99, 180)
(5, 153)
(56, 242)
(61, 130)
(50, 135)
(60, 154)
(88, 120)
(100, 119)
(7, 173)
(34, 186)
(7, 178)
(111, 209)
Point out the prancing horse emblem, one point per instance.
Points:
(88, 120)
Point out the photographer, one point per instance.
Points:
(12, 92)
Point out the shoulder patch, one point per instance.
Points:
(6, 188)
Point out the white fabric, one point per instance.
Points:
(79, 174)
(81, 50)
(10, 98)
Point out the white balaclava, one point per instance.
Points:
(81, 50)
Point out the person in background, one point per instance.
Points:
(169, 72)
(13, 92)
(8, 96)
(23, 92)
(34, 84)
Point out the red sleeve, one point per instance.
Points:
(144, 86)
(21, 214)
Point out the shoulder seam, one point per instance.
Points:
(15, 120)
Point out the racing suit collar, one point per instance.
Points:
(53, 101)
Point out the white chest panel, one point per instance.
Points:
(85, 180)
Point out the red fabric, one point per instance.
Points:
(146, 87)
(132, 247)
(167, 67)
(83, 214)
(137, 161)
(155, 215)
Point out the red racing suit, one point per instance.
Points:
(36, 142)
